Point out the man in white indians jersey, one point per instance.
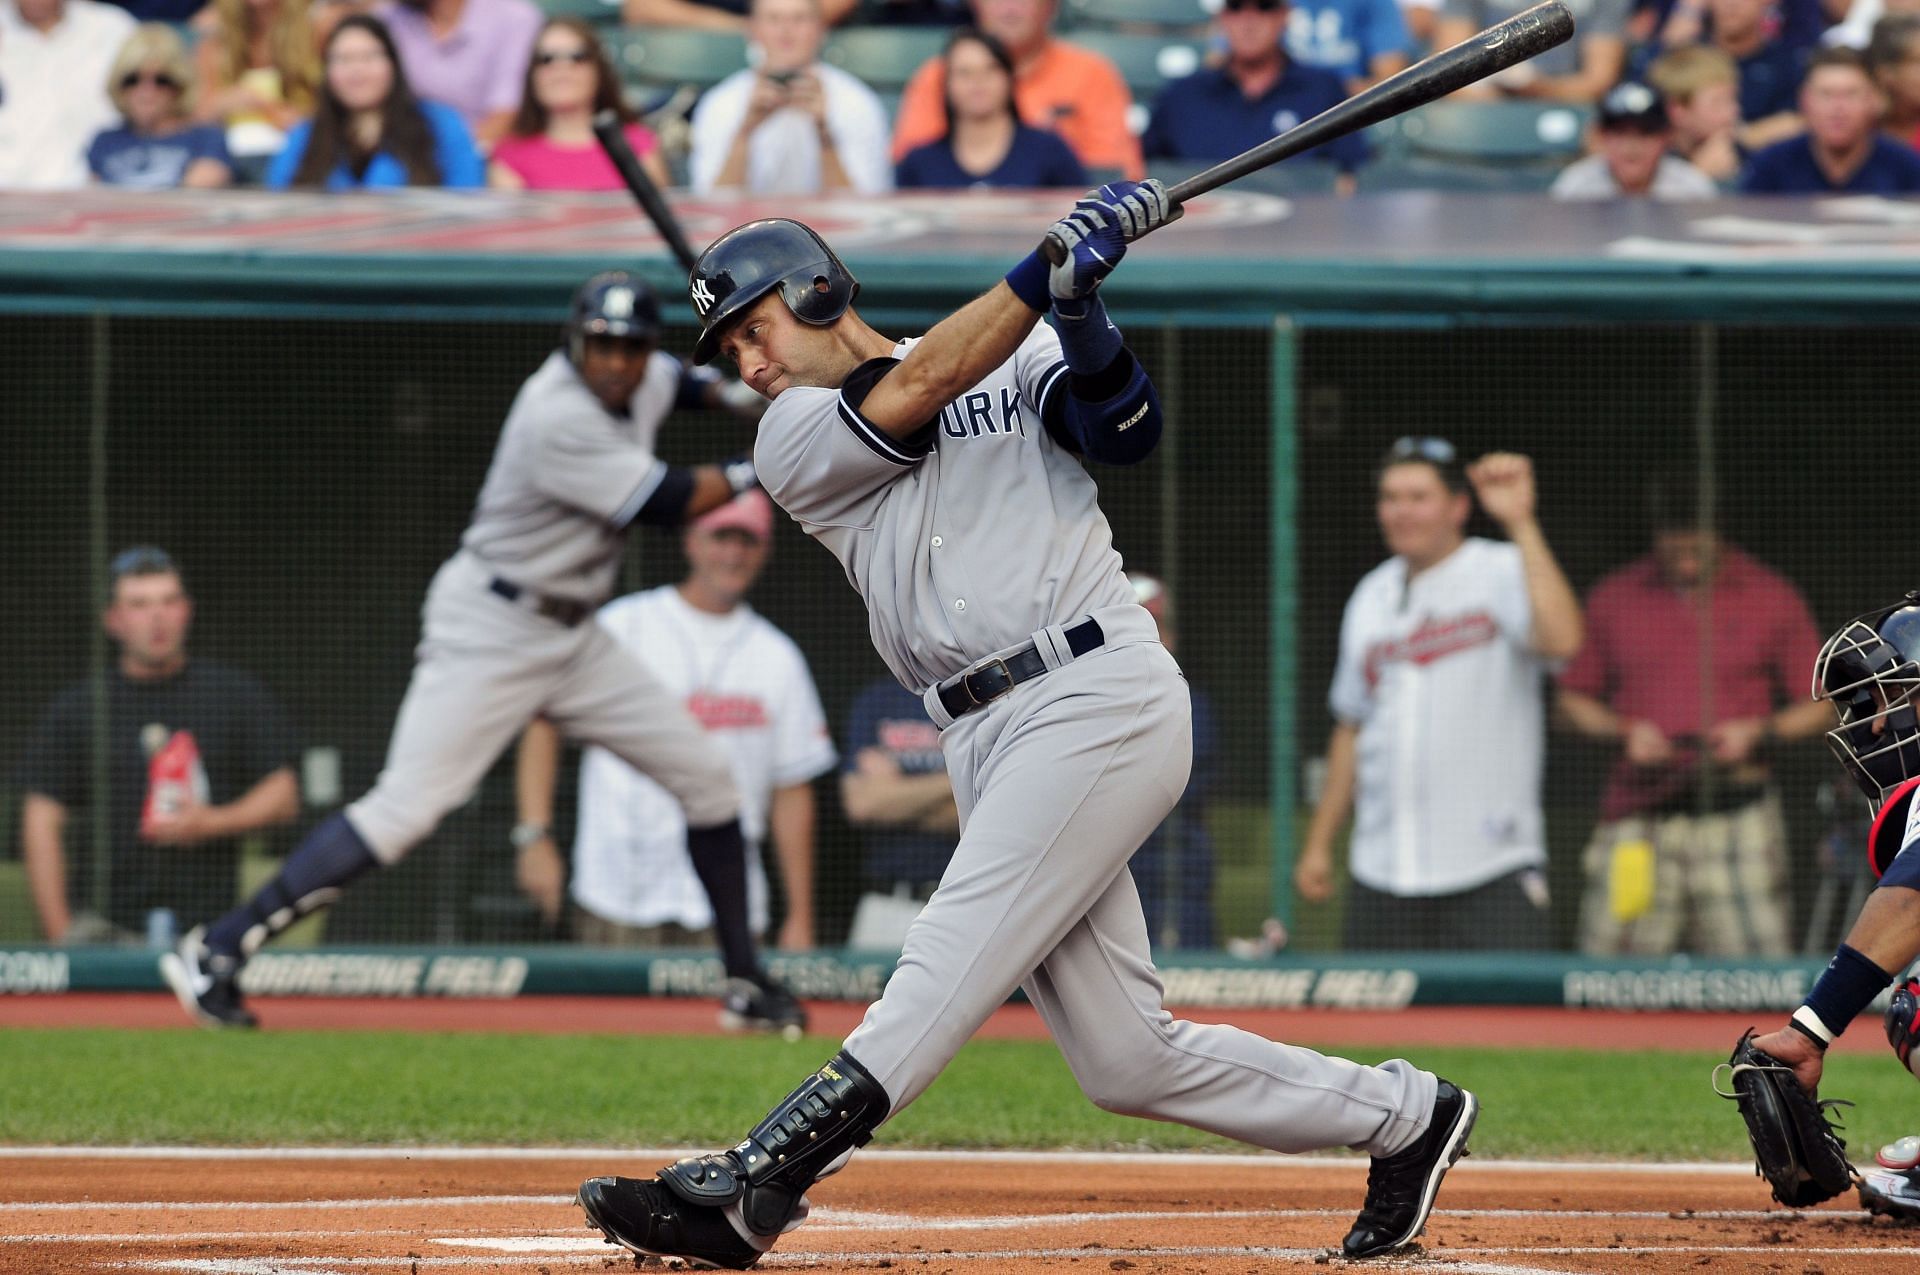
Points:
(1437, 707)
(748, 684)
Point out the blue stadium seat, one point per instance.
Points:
(884, 58)
(677, 55)
(598, 12)
(1495, 132)
(1146, 62)
(1164, 16)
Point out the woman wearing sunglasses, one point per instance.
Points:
(368, 131)
(157, 146)
(985, 143)
(550, 145)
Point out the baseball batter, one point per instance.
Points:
(506, 636)
(946, 475)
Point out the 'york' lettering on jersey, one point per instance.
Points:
(974, 415)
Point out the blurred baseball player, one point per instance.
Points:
(946, 475)
(1870, 671)
(506, 636)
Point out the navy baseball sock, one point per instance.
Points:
(312, 877)
(719, 855)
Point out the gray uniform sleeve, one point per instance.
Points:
(1038, 366)
(823, 462)
(587, 460)
(1605, 17)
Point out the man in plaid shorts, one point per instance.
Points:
(1691, 849)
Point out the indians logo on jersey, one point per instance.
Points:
(727, 712)
(1435, 639)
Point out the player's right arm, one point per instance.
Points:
(1313, 874)
(43, 825)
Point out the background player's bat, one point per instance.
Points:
(1498, 47)
(606, 128)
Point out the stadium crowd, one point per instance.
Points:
(1672, 99)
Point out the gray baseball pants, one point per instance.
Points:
(1058, 783)
(485, 668)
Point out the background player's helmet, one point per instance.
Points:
(749, 261)
(612, 303)
(1870, 670)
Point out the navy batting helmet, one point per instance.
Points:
(612, 303)
(1870, 671)
(749, 261)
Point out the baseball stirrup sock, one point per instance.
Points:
(324, 862)
(719, 855)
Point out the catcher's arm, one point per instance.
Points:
(1796, 1146)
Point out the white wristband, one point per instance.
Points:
(1811, 1021)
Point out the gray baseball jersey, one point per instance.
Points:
(567, 478)
(972, 538)
(963, 541)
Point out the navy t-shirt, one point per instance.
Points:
(243, 736)
(1206, 116)
(1770, 80)
(1037, 158)
(888, 717)
(122, 157)
(1788, 168)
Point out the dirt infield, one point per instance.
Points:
(264, 1213)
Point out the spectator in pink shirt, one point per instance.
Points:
(1696, 666)
(550, 145)
(470, 55)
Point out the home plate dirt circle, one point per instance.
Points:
(403, 1212)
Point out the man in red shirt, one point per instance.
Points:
(1696, 664)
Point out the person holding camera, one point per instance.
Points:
(789, 124)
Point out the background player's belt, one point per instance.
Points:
(968, 691)
(560, 610)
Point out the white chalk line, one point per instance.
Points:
(1267, 1159)
(211, 1206)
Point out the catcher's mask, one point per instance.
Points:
(1870, 671)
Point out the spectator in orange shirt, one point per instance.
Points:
(1058, 86)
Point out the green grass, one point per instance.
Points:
(172, 1087)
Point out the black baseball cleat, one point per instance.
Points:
(1401, 1188)
(764, 1006)
(206, 982)
(651, 1220)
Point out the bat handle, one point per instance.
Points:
(1054, 248)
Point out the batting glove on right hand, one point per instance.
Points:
(1139, 207)
(1094, 245)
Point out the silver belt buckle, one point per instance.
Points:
(966, 680)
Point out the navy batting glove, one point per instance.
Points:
(1095, 245)
(1139, 208)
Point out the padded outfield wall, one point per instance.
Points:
(298, 396)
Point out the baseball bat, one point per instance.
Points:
(1500, 46)
(607, 131)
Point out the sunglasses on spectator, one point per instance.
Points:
(159, 79)
(1264, 6)
(1437, 451)
(547, 57)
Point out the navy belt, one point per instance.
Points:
(962, 694)
(559, 610)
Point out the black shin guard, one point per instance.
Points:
(719, 855)
(805, 1138)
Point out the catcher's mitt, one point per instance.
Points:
(1795, 1144)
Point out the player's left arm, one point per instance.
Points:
(1503, 483)
(963, 348)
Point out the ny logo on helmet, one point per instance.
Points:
(618, 303)
(702, 297)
